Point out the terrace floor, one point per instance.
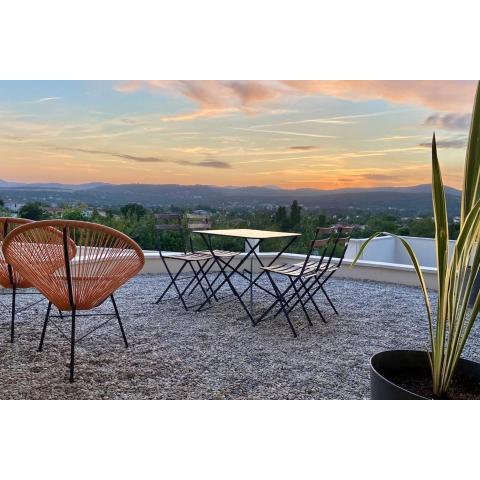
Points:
(217, 354)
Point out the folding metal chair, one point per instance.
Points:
(220, 258)
(299, 275)
(199, 262)
(341, 237)
(327, 265)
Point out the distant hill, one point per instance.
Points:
(409, 199)
(50, 186)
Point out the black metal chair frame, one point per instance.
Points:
(14, 293)
(72, 339)
(74, 315)
(341, 236)
(203, 260)
(14, 311)
(299, 274)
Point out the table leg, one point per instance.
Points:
(251, 284)
(279, 254)
(227, 276)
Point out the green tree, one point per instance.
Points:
(281, 216)
(133, 210)
(33, 211)
(322, 220)
(382, 223)
(422, 227)
(73, 214)
(295, 214)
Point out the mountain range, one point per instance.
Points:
(410, 199)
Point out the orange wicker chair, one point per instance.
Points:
(105, 259)
(10, 278)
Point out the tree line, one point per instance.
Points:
(138, 222)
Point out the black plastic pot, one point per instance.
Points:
(387, 365)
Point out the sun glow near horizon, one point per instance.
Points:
(310, 134)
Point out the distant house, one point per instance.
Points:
(55, 211)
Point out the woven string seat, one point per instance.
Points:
(100, 260)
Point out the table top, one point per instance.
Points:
(248, 233)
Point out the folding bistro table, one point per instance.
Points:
(253, 240)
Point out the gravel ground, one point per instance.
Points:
(216, 354)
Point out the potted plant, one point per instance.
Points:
(440, 372)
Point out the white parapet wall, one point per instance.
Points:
(391, 250)
(383, 260)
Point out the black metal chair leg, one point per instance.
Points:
(119, 320)
(328, 298)
(272, 306)
(303, 305)
(203, 274)
(209, 283)
(306, 293)
(312, 300)
(280, 299)
(172, 280)
(199, 278)
(175, 286)
(12, 326)
(72, 349)
(44, 329)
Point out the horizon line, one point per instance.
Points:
(269, 186)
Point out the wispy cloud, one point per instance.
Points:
(449, 121)
(324, 121)
(284, 132)
(453, 96)
(303, 147)
(396, 137)
(338, 120)
(197, 114)
(211, 163)
(458, 142)
(44, 100)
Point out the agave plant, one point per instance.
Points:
(450, 328)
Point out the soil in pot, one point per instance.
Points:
(420, 383)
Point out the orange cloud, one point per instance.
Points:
(451, 95)
(214, 96)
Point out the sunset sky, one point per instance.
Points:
(322, 134)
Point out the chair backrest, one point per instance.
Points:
(328, 240)
(168, 221)
(321, 242)
(8, 276)
(74, 264)
(196, 221)
(341, 241)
